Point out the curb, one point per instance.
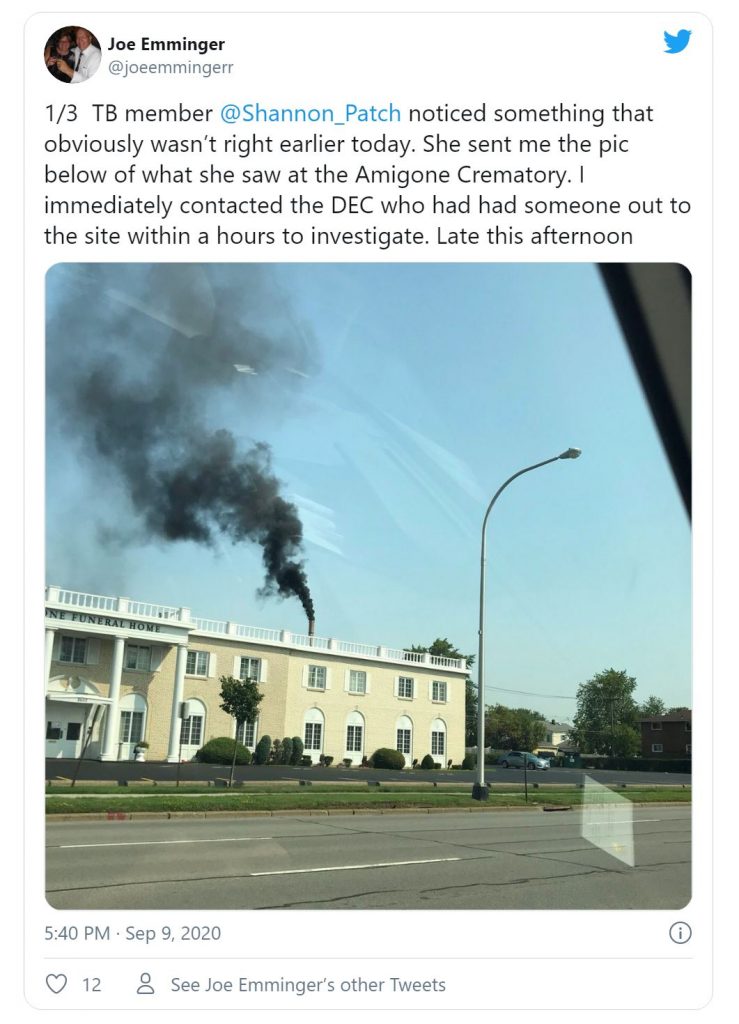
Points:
(316, 812)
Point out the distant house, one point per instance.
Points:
(557, 733)
(667, 735)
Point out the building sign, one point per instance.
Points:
(102, 620)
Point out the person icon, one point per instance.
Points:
(84, 58)
(145, 987)
(58, 49)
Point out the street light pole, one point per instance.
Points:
(479, 789)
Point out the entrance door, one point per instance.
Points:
(65, 726)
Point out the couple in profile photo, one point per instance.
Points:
(72, 55)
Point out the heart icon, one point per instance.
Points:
(56, 982)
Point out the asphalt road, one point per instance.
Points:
(485, 859)
(192, 772)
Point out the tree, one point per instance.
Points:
(442, 648)
(240, 698)
(626, 741)
(286, 751)
(603, 703)
(513, 728)
(652, 706)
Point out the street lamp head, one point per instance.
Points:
(571, 453)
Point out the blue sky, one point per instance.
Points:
(396, 399)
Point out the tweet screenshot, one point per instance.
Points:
(367, 354)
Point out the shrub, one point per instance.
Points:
(470, 760)
(428, 762)
(347, 762)
(325, 760)
(297, 750)
(262, 749)
(274, 754)
(306, 761)
(286, 751)
(386, 757)
(221, 751)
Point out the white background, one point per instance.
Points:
(636, 933)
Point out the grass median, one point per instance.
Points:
(317, 798)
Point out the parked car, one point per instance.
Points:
(517, 759)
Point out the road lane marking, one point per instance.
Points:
(353, 867)
(253, 839)
(162, 842)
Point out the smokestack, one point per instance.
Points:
(311, 627)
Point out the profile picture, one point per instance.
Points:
(72, 54)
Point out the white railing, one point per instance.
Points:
(152, 611)
(121, 605)
(77, 600)
(318, 643)
(415, 656)
(124, 606)
(447, 662)
(210, 625)
(272, 636)
(363, 650)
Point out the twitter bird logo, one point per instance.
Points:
(676, 44)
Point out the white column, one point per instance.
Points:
(173, 754)
(47, 653)
(110, 737)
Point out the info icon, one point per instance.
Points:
(680, 932)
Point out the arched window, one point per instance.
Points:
(192, 731)
(313, 729)
(354, 738)
(404, 738)
(133, 718)
(438, 739)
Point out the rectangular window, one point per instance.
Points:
(192, 731)
(357, 684)
(312, 735)
(405, 688)
(132, 726)
(688, 726)
(246, 733)
(404, 741)
(53, 731)
(316, 677)
(197, 663)
(438, 692)
(656, 748)
(73, 649)
(354, 737)
(138, 659)
(73, 730)
(250, 668)
(437, 743)
(656, 727)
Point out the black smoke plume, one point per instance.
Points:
(145, 373)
